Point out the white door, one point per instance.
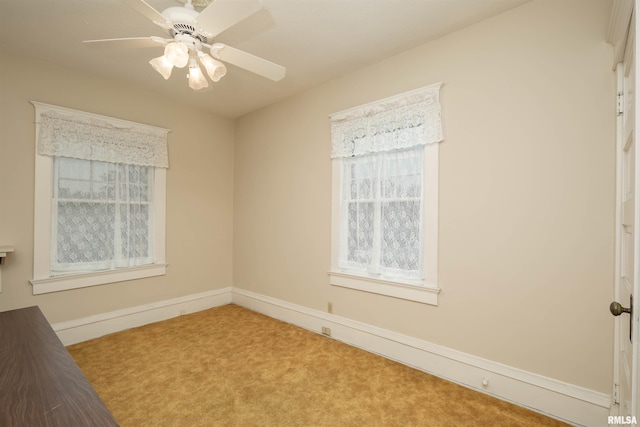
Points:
(628, 237)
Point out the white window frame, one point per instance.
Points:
(43, 282)
(424, 291)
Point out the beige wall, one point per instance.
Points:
(199, 189)
(526, 192)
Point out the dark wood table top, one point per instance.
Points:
(40, 384)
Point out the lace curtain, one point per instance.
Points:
(382, 212)
(395, 123)
(101, 216)
(83, 136)
(381, 150)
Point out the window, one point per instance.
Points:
(99, 200)
(382, 211)
(385, 182)
(100, 216)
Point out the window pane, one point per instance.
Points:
(73, 168)
(85, 232)
(401, 242)
(134, 230)
(363, 175)
(361, 232)
(74, 179)
(74, 189)
(134, 183)
(403, 175)
(103, 180)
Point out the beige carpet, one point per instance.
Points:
(229, 366)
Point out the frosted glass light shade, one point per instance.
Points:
(162, 65)
(215, 69)
(177, 53)
(197, 80)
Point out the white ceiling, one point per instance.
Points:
(316, 40)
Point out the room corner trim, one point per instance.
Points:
(86, 328)
(567, 402)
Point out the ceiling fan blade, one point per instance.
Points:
(248, 61)
(148, 11)
(222, 14)
(131, 42)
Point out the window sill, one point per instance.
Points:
(75, 281)
(419, 293)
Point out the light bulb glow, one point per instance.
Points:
(162, 65)
(215, 69)
(197, 80)
(177, 53)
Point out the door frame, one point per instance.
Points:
(621, 27)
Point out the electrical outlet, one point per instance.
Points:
(329, 307)
(326, 331)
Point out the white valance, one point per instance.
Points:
(70, 133)
(399, 122)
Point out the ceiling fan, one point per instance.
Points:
(192, 32)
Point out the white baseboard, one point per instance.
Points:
(567, 402)
(86, 328)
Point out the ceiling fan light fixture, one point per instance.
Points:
(177, 53)
(215, 69)
(162, 65)
(197, 80)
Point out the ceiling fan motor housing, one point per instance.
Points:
(184, 22)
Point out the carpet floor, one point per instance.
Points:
(229, 366)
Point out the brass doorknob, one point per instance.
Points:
(617, 309)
